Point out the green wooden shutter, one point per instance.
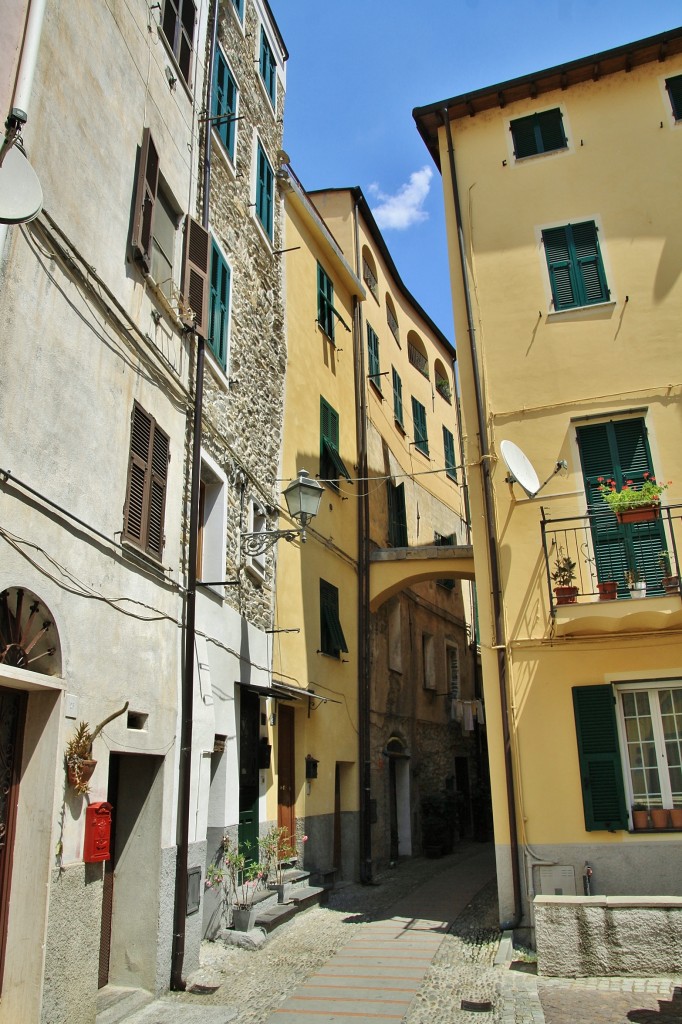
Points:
(550, 125)
(331, 464)
(332, 640)
(561, 272)
(325, 301)
(523, 134)
(421, 439)
(674, 87)
(219, 306)
(619, 450)
(373, 357)
(397, 516)
(397, 397)
(576, 271)
(264, 191)
(224, 103)
(538, 133)
(449, 449)
(601, 773)
(592, 280)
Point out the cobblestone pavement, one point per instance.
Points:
(255, 984)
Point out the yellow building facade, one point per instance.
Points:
(564, 237)
(371, 411)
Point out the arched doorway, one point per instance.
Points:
(399, 798)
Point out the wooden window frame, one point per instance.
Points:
(373, 363)
(397, 515)
(146, 486)
(177, 34)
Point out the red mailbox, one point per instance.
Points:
(97, 832)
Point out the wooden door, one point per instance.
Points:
(12, 717)
(286, 794)
(249, 728)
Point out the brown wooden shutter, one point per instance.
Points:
(147, 477)
(145, 196)
(157, 496)
(195, 267)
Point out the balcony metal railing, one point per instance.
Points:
(418, 359)
(606, 551)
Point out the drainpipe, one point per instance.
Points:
(364, 755)
(491, 540)
(23, 85)
(177, 980)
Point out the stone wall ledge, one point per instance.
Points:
(656, 902)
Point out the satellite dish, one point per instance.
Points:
(520, 468)
(21, 195)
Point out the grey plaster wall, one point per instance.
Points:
(72, 947)
(318, 852)
(583, 936)
(167, 862)
(637, 868)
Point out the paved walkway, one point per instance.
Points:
(376, 976)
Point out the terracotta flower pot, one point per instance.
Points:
(676, 817)
(608, 590)
(639, 514)
(640, 820)
(566, 595)
(79, 774)
(659, 817)
(671, 584)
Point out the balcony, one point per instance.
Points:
(626, 577)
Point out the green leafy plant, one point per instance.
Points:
(277, 849)
(564, 570)
(631, 495)
(632, 576)
(79, 750)
(233, 876)
(664, 563)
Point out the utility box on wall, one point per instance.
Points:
(97, 843)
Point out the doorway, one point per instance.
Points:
(12, 718)
(399, 799)
(130, 899)
(286, 792)
(249, 730)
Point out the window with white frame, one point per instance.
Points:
(651, 735)
(258, 523)
(212, 524)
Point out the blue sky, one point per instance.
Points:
(357, 69)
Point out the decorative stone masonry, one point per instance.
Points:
(591, 936)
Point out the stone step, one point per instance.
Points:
(326, 877)
(309, 896)
(115, 1003)
(270, 917)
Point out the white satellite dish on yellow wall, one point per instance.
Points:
(520, 468)
(21, 194)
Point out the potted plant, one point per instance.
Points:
(671, 583)
(640, 817)
(676, 817)
(636, 585)
(563, 576)
(236, 880)
(608, 590)
(278, 850)
(80, 765)
(633, 503)
(659, 817)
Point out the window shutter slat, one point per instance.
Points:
(599, 755)
(146, 188)
(195, 283)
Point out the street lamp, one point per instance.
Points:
(303, 496)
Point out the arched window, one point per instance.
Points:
(442, 380)
(416, 352)
(391, 318)
(369, 272)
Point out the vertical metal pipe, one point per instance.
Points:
(187, 709)
(364, 755)
(489, 508)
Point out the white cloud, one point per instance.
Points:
(405, 208)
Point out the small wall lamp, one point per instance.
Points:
(303, 496)
(311, 764)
